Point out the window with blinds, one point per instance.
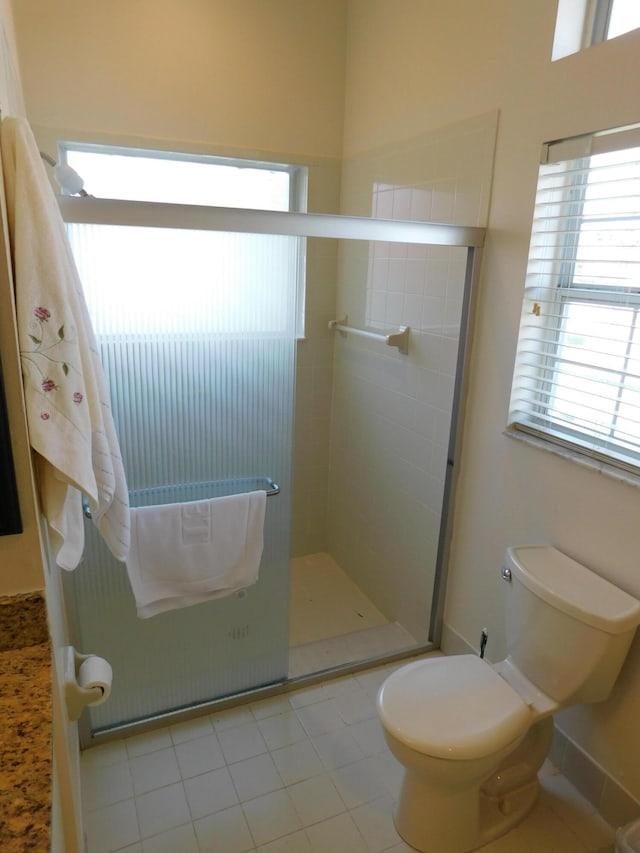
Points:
(577, 374)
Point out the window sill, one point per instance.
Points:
(574, 456)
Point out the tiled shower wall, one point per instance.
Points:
(391, 413)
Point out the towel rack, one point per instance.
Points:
(399, 339)
(140, 497)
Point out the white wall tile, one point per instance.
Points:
(440, 176)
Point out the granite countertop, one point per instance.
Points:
(25, 725)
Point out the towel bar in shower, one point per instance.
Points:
(199, 491)
(399, 339)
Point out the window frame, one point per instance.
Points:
(600, 20)
(539, 421)
(298, 174)
(581, 24)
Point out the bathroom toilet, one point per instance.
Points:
(473, 735)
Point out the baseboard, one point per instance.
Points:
(612, 801)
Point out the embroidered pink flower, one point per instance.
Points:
(42, 313)
(45, 416)
(77, 397)
(48, 385)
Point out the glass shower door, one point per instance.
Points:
(199, 357)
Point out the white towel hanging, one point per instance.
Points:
(68, 411)
(185, 553)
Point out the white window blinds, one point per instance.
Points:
(577, 374)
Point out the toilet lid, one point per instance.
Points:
(454, 707)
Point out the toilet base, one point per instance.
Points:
(458, 824)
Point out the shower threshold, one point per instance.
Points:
(332, 622)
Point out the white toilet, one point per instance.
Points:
(472, 735)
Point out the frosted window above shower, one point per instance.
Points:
(146, 175)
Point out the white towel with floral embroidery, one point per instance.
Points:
(68, 411)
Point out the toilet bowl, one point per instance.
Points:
(459, 791)
(472, 736)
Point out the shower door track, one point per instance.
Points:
(135, 727)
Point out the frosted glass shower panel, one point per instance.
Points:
(196, 333)
(162, 282)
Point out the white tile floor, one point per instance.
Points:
(305, 772)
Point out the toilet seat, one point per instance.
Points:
(454, 708)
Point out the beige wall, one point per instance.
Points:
(413, 66)
(264, 74)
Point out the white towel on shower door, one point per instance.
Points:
(185, 553)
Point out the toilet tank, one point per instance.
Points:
(568, 630)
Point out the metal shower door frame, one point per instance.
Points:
(89, 210)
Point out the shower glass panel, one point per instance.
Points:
(196, 332)
(391, 422)
(204, 409)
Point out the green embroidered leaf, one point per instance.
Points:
(65, 368)
(61, 332)
(35, 340)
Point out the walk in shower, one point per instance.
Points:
(210, 412)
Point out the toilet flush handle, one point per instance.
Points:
(506, 574)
